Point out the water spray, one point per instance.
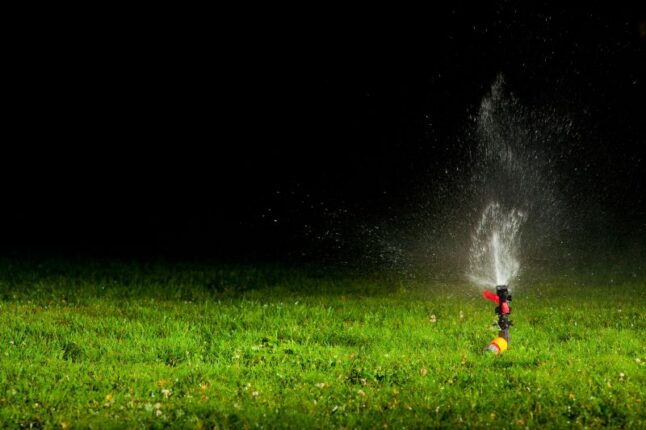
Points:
(502, 298)
(513, 171)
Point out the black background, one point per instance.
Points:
(251, 134)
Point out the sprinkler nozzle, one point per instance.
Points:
(503, 310)
(502, 298)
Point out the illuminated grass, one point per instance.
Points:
(191, 346)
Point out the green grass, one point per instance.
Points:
(197, 346)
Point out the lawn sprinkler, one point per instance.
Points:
(502, 298)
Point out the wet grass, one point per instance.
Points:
(198, 346)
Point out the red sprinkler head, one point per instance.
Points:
(491, 296)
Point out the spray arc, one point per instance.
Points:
(502, 298)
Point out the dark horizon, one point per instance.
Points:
(290, 140)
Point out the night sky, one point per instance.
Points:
(287, 135)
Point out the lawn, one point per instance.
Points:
(109, 344)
